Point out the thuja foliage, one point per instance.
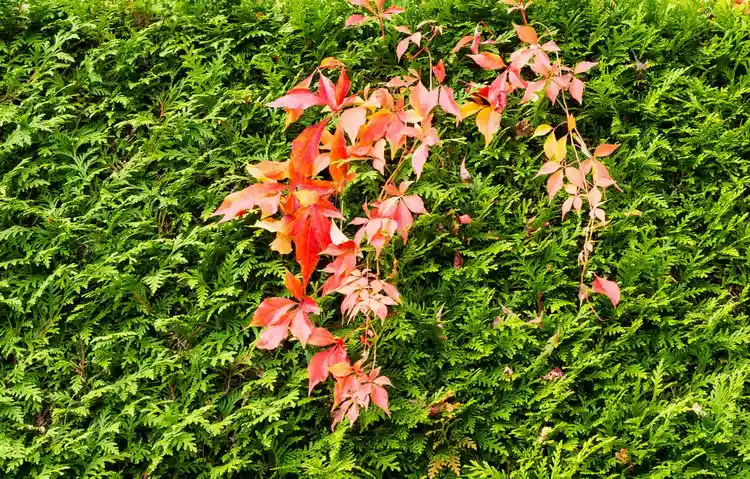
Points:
(124, 341)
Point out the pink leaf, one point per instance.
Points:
(607, 288)
(415, 204)
(401, 47)
(583, 67)
(356, 19)
(380, 398)
(351, 120)
(272, 336)
(419, 158)
(549, 167)
(576, 89)
(448, 103)
(320, 337)
(567, 205)
(392, 10)
(575, 176)
(298, 100)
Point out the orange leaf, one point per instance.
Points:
(340, 369)
(304, 151)
(488, 61)
(439, 71)
(526, 33)
(376, 127)
(605, 149)
(554, 183)
(293, 285)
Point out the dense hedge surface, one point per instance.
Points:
(124, 350)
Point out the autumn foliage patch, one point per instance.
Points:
(389, 128)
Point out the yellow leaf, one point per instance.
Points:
(340, 369)
(306, 197)
(542, 130)
(560, 149)
(550, 146)
(469, 108)
(488, 122)
(571, 123)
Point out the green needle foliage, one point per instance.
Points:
(124, 350)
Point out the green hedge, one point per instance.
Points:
(124, 350)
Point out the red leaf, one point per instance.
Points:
(304, 151)
(607, 288)
(439, 71)
(271, 310)
(311, 235)
(376, 127)
(342, 88)
(605, 149)
(488, 61)
(298, 100)
(327, 90)
(526, 34)
(317, 368)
